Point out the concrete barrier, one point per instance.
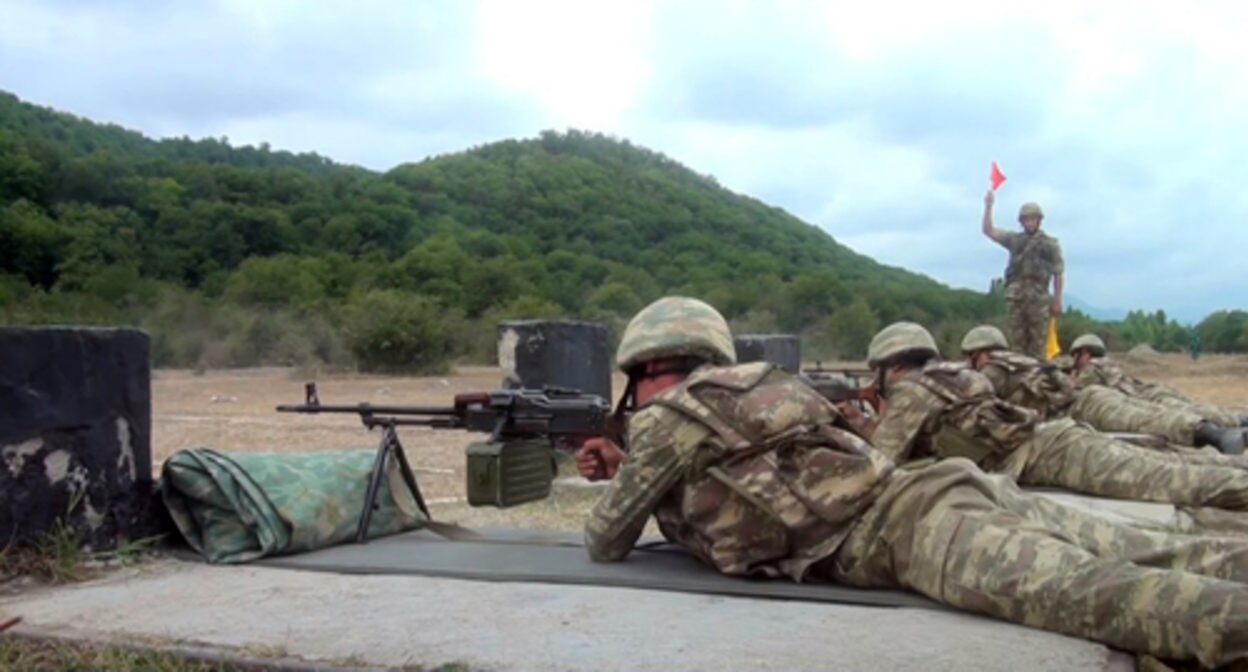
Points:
(75, 434)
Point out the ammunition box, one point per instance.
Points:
(506, 474)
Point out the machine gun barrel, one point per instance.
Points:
(366, 408)
(312, 404)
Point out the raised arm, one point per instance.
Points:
(993, 233)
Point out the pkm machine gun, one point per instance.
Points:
(513, 466)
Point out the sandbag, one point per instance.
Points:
(237, 507)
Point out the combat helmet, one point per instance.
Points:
(1030, 209)
(897, 338)
(984, 337)
(1091, 342)
(676, 326)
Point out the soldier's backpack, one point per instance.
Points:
(977, 424)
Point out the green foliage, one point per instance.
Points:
(846, 332)
(1156, 329)
(283, 280)
(235, 256)
(1224, 331)
(389, 331)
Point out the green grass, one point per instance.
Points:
(58, 557)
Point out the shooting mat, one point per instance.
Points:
(524, 556)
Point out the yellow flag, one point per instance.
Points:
(1051, 347)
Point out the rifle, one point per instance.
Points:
(843, 385)
(819, 371)
(514, 466)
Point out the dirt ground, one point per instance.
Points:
(234, 410)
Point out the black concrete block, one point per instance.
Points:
(565, 353)
(784, 350)
(75, 433)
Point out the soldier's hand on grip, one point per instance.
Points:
(852, 414)
(598, 459)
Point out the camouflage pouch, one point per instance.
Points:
(952, 442)
(977, 425)
(818, 471)
(1027, 382)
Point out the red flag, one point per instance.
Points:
(995, 177)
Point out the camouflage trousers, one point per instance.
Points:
(1109, 410)
(978, 543)
(1029, 324)
(1173, 399)
(1069, 455)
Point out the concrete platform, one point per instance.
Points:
(402, 620)
(397, 620)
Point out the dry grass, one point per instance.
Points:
(27, 654)
(234, 411)
(22, 654)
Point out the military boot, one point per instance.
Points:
(1227, 441)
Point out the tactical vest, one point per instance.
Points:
(1030, 383)
(1030, 264)
(976, 424)
(1097, 372)
(780, 477)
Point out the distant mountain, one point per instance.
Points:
(1095, 312)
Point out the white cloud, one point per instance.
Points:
(582, 61)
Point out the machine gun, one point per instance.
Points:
(842, 385)
(514, 466)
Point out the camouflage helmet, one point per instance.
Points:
(1091, 342)
(676, 326)
(897, 338)
(1030, 209)
(984, 337)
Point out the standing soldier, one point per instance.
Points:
(1035, 258)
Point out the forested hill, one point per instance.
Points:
(244, 255)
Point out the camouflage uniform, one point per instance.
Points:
(1101, 372)
(753, 472)
(1042, 387)
(1029, 382)
(1034, 260)
(1112, 411)
(947, 409)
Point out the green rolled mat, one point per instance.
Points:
(238, 507)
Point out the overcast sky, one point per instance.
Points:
(876, 121)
